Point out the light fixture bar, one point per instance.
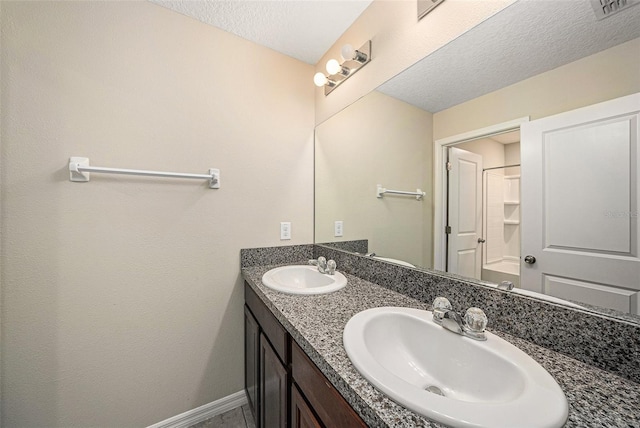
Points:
(362, 58)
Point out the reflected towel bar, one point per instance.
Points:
(380, 191)
(79, 170)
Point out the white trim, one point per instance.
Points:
(199, 414)
(440, 182)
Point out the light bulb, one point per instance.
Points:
(320, 79)
(348, 52)
(333, 66)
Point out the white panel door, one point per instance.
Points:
(465, 213)
(580, 204)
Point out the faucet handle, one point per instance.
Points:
(321, 262)
(475, 321)
(331, 267)
(440, 306)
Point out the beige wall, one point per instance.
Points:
(512, 157)
(377, 140)
(399, 41)
(492, 152)
(122, 297)
(603, 76)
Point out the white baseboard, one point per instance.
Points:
(199, 414)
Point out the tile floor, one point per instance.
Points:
(240, 417)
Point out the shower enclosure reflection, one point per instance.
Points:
(483, 208)
(501, 212)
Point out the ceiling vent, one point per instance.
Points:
(606, 8)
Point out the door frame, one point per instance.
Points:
(440, 181)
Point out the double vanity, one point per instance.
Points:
(360, 348)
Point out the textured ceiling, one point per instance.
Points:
(523, 40)
(302, 29)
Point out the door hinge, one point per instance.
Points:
(449, 166)
(447, 229)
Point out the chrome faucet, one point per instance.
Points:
(452, 321)
(324, 266)
(365, 254)
(505, 285)
(472, 325)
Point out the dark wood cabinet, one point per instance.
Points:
(332, 410)
(301, 414)
(251, 361)
(284, 387)
(267, 364)
(274, 385)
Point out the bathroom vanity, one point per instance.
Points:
(281, 381)
(298, 372)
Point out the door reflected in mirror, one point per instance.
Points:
(483, 208)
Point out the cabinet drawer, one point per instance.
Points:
(329, 405)
(273, 330)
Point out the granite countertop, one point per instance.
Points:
(597, 398)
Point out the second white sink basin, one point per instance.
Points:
(449, 378)
(303, 279)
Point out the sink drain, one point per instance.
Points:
(434, 389)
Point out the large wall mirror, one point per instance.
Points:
(471, 103)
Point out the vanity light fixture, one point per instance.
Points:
(354, 60)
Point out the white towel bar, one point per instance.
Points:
(79, 170)
(380, 191)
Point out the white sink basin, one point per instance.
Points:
(302, 279)
(408, 357)
(396, 261)
(546, 297)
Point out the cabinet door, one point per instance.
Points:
(580, 200)
(273, 388)
(301, 414)
(332, 409)
(251, 361)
